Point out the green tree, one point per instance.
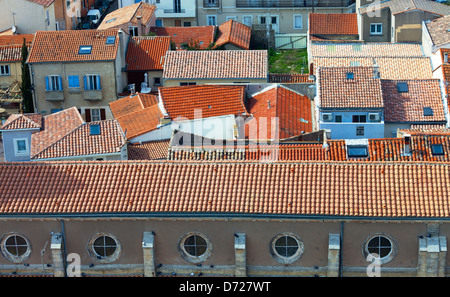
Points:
(25, 88)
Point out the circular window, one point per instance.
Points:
(195, 247)
(15, 247)
(286, 248)
(380, 247)
(104, 247)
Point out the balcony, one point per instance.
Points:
(93, 95)
(54, 95)
(167, 9)
(291, 3)
(174, 10)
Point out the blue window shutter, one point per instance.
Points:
(60, 83)
(47, 84)
(85, 83)
(74, 81)
(98, 82)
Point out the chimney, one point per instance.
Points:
(376, 71)
(139, 25)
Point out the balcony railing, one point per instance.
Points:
(292, 3)
(210, 3)
(174, 10)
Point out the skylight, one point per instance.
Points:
(110, 39)
(95, 129)
(402, 87)
(111, 20)
(427, 111)
(437, 149)
(357, 151)
(350, 75)
(85, 49)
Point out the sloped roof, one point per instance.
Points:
(64, 46)
(11, 46)
(291, 110)
(337, 91)
(234, 33)
(226, 64)
(409, 106)
(79, 142)
(23, 121)
(45, 3)
(128, 14)
(333, 24)
(147, 53)
(202, 35)
(401, 6)
(211, 100)
(137, 114)
(438, 30)
(389, 190)
(149, 150)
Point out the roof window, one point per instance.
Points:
(427, 111)
(437, 149)
(111, 20)
(402, 87)
(350, 75)
(95, 129)
(357, 151)
(85, 49)
(110, 39)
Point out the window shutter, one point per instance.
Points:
(102, 114)
(47, 84)
(87, 113)
(60, 83)
(85, 83)
(98, 82)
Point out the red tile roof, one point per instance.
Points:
(63, 46)
(322, 189)
(150, 150)
(45, 3)
(11, 46)
(226, 64)
(336, 91)
(333, 24)
(129, 14)
(16, 39)
(201, 35)
(23, 121)
(234, 33)
(292, 111)
(137, 114)
(54, 127)
(80, 142)
(147, 53)
(408, 106)
(293, 78)
(212, 100)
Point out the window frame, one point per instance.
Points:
(54, 83)
(194, 258)
(95, 117)
(382, 260)
(294, 19)
(3, 69)
(375, 25)
(290, 259)
(100, 258)
(8, 255)
(18, 153)
(433, 149)
(208, 18)
(93, 85)
(350, 148)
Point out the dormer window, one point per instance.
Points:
(402, 87)
(85, 50)
(437, 149)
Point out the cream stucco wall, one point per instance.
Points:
(15, 69)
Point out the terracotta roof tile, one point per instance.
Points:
(337, 91)
(137, 114)
(63, 46)
(80, 142)
(211, 100)
(370, 190)
(23, 121)
(293, 78)
(437, 30)
(45, 3)
(147, 53)
(234, 33)
(201, 35)
(291, 110)
(54, 127)
(333, 24)
(150, 150)
(409, 106)
(16, 39)
(216, 64)
(128, 14)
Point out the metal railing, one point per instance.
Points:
(174, 10)
(211, 3)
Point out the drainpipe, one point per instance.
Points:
(63, 233)
(341, 242)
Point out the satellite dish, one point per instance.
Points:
(14, 29)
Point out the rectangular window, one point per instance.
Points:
(158, 23)
(21, 146)
(110, 39)
(95, 114)
(357, 151)
(231, 18)
(92, 82)
(187, 83)
(85, 50)
(359, 130)
(74, 81)
(338, 118)
(4, 70)
(211, 20)
(298, 22)
(53, 83)
(437, 149)
(156, 81)
(262, 20)
(133, 31)
(359, 119)
(187, 24)
(376, 29)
